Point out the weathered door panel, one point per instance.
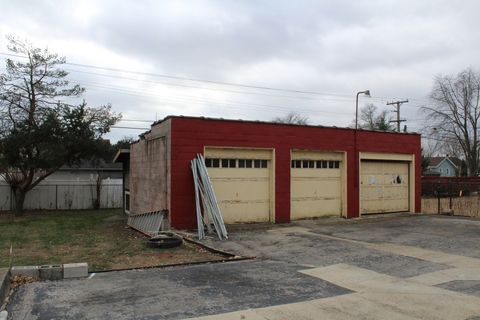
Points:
(384, 186)
(316, 192)
(243, 193)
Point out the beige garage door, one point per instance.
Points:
(241, 181)
(384, 186)
(316, 184)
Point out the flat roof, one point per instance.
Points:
(269, 123)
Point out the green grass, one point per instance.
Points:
(99, 237)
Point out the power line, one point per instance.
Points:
(441, 138)
(250, 86)
(132, 120)
(184, 98)
(132, 128)
(151, 74)
(340, 97)
(191, 86)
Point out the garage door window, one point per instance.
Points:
(308, 164)
(296, 164)
(234, 163)
(318, 164)
(229, 163)
(245, 163)
(212, 163)
(259, 163)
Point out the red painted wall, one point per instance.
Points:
(190, 135)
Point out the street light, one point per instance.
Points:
(367, 94)
(355, 148)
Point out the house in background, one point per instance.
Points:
(86, 171)
(444, 166)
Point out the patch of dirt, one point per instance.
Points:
(186, 253)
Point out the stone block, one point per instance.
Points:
(75, 270)
(29, 271)
(51, 272)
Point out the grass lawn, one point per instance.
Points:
(99, 237)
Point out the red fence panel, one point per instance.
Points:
(433, 186)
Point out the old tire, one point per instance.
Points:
(164, 242)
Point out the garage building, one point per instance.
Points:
(270, 172)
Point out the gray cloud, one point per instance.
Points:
(393, 48)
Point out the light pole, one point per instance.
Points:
(366, 93)
(355, 153)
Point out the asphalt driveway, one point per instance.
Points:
(406, 267)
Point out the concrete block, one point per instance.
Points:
(51, 272)
(3, 315)
(29, 271)
(75, 270)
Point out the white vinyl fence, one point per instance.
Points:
(64, 195)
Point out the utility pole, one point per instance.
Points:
(397, 105)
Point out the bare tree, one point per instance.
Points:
(371, 119)
(455, 113)
(292, 118)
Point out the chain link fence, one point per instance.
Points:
(65, 196)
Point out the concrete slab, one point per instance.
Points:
(455, 235)
(442, 276)
(377, 297)
(304, 247)
(365, 306)
(453, 260)
(350, 307)
(238, 315)
(173, 293)
(464, 286)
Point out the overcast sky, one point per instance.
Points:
(331, 48)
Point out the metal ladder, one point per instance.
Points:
(148, 223)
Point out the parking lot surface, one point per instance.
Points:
(391, 267)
